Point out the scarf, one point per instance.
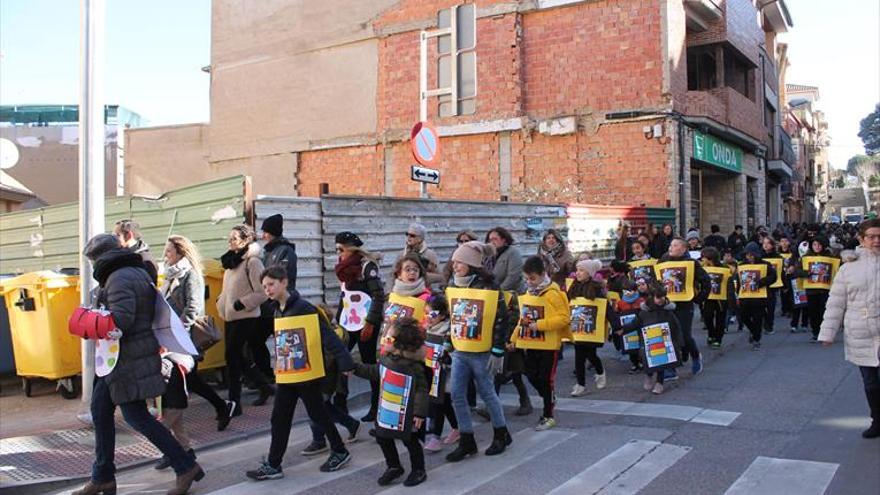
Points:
(409, 289)
(177, 270)
(550, 255)
(113, 260)
(348, 270)
(232, 259)
(541, 287)
(465, 281)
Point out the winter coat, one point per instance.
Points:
(716, 241)
(660, 245)
(508, 270)
(652, 315)
(854, 303)
(501, 326)
(280, 251)
(736, 243)
(125, 289)
(143, 250)
(369, 283)
(242, 283)
(555, 325)
(186, 296)
(411, 363)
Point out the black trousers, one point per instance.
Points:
(816, 302)
(770, 315)
(753, 312)
(257, 344)
(392, 459)
(785, 296)
(286, 397)
(505, 378)
(196, 384)
(799, 313)
(871, 379)
(685, 313)
(540, 368)
(715, 314)
(367, 351)
(583, 352)
(439, 412)
(237, 334)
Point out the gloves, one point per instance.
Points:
(367, 332)
(495, 365)
(238, 306)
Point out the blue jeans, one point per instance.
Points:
(467, 365)
(138, 417)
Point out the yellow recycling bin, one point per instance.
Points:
(213, 272)
(39, 306)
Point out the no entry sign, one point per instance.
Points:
(425, 144)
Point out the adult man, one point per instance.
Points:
(415, 243)
(736, 241)
(126, 292)
(278, 249)
(128, 232)
(684, 310)
(715, 239)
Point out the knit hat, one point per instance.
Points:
(692, 235)
(753, 249)
(472, 253)
(99, 245)
(349, 239)
(273, 225)
(417, 229)
(590, 266)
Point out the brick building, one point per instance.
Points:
(625, 102)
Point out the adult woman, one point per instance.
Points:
(557, 258)
(358, 272)
(184, 289)
(661, 241)
(621, 247)
(507, 262)
(462, 237)
(854, 303)
(239, 306)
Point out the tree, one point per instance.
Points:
(870, 131)
(863, 167)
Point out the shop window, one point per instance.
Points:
(463, 62)
(701, 66)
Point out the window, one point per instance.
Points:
(464, 39)
(738, 74)
(701, 66)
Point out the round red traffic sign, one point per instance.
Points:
(425, 143)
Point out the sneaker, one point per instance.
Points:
(635, 369)
(769, 331)
(369, 417)
(697, 366)
(670, 375)
(353, 433)
(794, 330)
(546, 424)
(163, 463)
(873, 431)
(453, 437)
(658, 389)
(648, 384)
(578, 390)
(265, 472)
(433, 444)
(756, 346)
(600, 381)
(266, 391)
(232, 410)
(315, 448)
(335, 462)
(415, 478)
(390, 475)
(716, 345)
(814, 339)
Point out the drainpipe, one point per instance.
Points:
(682, 222)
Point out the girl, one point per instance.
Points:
(625, 309)
(816, 298)
(584, 286)
(239, 306)
(754, 309)
(785, 252)
(409, 281)
(768, 250)
(441, 407)
(714, 310)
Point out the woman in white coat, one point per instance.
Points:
(854, 304)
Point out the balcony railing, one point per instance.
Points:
(783, 149)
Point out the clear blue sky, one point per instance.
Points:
(155, 49)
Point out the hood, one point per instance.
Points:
(253, 251)
(113, 260)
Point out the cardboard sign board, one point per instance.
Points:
(298, 354)
(718, 277)
(588, 320)
(749, 278)
(678, 278)
(820, 271)
(472, 318)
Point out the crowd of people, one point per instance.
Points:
(434, 338)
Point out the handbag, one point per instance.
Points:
(88, 323)
(204, 333)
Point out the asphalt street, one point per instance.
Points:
(782, 420)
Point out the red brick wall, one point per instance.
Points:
(354, 170)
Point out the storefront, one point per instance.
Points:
(716, 171)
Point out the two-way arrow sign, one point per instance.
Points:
(427, 175)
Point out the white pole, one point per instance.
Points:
(91, 158)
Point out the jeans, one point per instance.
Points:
(465, 366)
(816, 302)
(771, 308)
(684, 311)
(541, 372)
(237, 334)
(586, 351)
(286, 397)
(138, 417)
(871, 379)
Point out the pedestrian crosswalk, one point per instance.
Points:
(784, 477)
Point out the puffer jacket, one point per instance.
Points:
(242, 283)
(126, 290)
(508, 270)
(280, 251)
(411, 363)
(854, 304)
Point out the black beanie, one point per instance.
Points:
(349, 239)
(273, 225)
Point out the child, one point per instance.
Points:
(657, 311)
(543, 323)
(285, 303)
(405, 360)
(733, 297)
(816, 298)
(714, 310)
(175, 367)
(409, 281)
(584, 286)
(441, 407)
(754, 309)
(625, 309)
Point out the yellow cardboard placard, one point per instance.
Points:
(821, 271)
(777, 265)
(299, 356)
(613, 295)
(589, 322)
(642, 269)
(718, 277)
(534, 307)
(678, 278)
(472, 318)
(749, 277)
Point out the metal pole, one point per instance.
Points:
(91, 158)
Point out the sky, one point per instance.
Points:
(156, 48)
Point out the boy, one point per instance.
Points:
(286, 303)
(544, 321)
(754, 309)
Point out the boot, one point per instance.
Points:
(500, 441)
(467, 446)
(266, 391)
(185, 480)
(92, 488)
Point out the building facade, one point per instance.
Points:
(808, 128)
(670, 103)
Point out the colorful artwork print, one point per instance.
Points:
(642, 269)
(750, 281)
(820, 271)
(631, 341)
(798, 293)
(291, 353)
(467, 319)
(433, 357)
(659, 349)
(673, 280)
(533, 313)
(395, 390)
(355, 307)
(678, 278)
(583, 319)
(106, 356)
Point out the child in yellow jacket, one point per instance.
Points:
(544, 322)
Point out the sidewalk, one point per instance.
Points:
(60, 449)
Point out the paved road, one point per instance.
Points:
(783, 420)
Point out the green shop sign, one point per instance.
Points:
(716, 152)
